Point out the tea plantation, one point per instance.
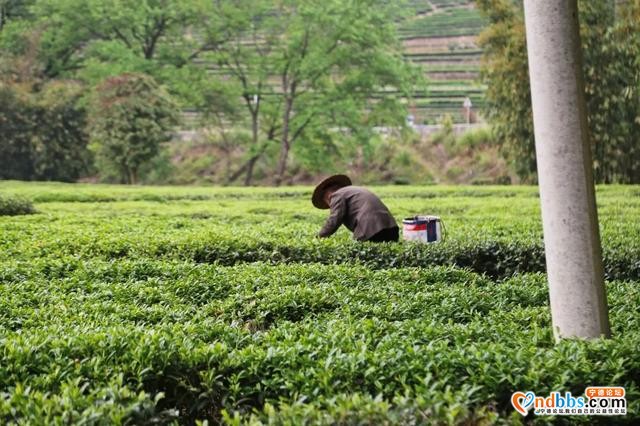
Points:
(133, 305)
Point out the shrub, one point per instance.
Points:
(13, 206)
(43, 136)
(445, 136)
(475, 138)
(16, 125)
(130, 117)
(61, 141)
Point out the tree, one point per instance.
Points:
(18, 42)
(508, 96)
(130, 116)
(242, 37)
(95, 39)
(303, 68)
(611, 50)
(610, 35)
(42, 121)
(221, 114)
(60, 138)
(13, 9)
(16, 123)
(43, 132)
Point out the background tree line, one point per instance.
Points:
(610, 33)
(284, 87)
(299, 74)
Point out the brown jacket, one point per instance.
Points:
(360, 211)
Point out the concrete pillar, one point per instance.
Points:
(567, 194)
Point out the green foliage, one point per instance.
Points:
(61, 141)
(43, 132)
(13, 206)
(445, 136)
(111, 37)
(476, 137)
(508, 97)
(612, 79)
(130, 117)
(16, 150)
(139, 305)
(302, 68)
(611, 49)
(11, 10)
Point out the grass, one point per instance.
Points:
(176, 304)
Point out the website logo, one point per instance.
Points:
(597, 400)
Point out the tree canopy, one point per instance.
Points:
(303, 76)
(304, 69)
(130, 117)
(610, 34)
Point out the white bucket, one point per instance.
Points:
(424, 229)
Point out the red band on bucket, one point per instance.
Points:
(420, 227)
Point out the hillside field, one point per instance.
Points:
(184, 305)
(439, 36)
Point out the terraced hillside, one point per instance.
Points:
(441, 36)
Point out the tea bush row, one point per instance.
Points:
(496, 231)
(46, 192)
(142, 341)
(497, 257)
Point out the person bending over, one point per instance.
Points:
(360, 210)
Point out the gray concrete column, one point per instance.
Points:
(567, 195)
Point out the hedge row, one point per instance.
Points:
(144, 341)
(496, 258)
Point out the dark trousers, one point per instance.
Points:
(386, 235)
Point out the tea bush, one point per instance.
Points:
(179, 306)
(195, 339)
(13, 206)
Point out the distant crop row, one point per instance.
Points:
(419, 6)
(449, 54)
(449, 3)
(446, 102)
(450, 67)
(453, 22)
